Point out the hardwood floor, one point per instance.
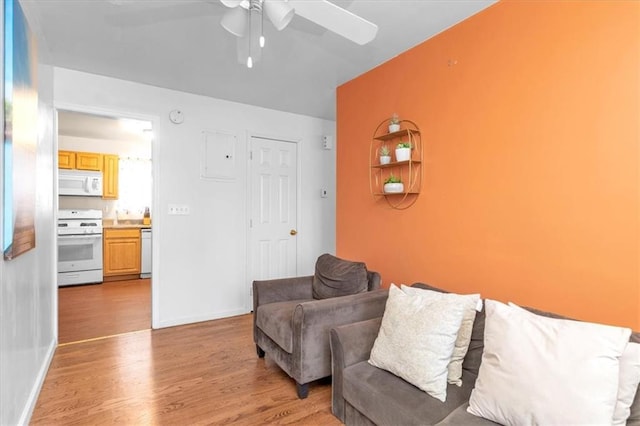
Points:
(98, 310)
(205, 373)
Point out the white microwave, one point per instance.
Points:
(80, 182)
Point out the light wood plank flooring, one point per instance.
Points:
(98, 310)
(205, 373)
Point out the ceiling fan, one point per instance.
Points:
(237, 20)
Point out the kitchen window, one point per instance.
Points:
(135, 185)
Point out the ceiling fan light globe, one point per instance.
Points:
(235, 21)
(231, 3)
(279, 12)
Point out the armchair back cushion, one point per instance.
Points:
(337, 277)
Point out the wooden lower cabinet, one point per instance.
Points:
(121, 252)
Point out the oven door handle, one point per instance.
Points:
(80, 237)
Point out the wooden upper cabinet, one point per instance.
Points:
(66, 160)
(88, 161)
(110, 177)
(108, 164)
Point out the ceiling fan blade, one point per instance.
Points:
(336, 19)
(231, 3)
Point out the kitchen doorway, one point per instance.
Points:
(115, 152)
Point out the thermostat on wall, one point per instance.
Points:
(327, 142)
(176, 116)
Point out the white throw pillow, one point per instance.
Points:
(539, 370)
(628, 384)
(471, 303)
(628, 378)
(416, 339)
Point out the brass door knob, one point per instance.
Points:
(293, 232)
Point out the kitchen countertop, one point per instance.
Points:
(127, 226)
(108, 224)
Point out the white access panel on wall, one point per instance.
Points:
(218, 156)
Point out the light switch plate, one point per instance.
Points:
(179, 209)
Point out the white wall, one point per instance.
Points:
(200, 260)
(27, 285)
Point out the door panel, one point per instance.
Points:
(273, 248)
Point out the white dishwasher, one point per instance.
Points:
(145, 255)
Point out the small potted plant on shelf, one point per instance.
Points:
(385, 154)
(403, 151)
(393, 185)
(394, 123)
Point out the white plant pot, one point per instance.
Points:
(393, 188)
(394, 128)
(385, 159)
(403, 154)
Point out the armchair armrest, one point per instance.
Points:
(280, 290)
(350, 344)
(313, 320)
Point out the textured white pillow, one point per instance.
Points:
(539, 370)
(416, 339)
(471, 303)
(628, 384)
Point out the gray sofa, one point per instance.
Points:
(365, 395)
(292, 326)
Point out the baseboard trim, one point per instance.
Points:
(200, 318)
(27, 412)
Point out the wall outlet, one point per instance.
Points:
(179, 209)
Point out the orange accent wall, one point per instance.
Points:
(531, 186)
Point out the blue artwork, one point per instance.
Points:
(20, 133)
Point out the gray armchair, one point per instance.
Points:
(291, 322)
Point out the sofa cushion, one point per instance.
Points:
(575, 363)
(417, 337)
(471, 303)
(387, 399)
(337, 277)
(460, 416)
(629, 377)
(275, 320)
(473, 358)
(634, 417)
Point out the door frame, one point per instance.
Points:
(248, 191)
(155, 196)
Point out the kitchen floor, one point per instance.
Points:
(99, 310)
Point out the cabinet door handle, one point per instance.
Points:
(293, 232)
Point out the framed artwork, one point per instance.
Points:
(20, 133)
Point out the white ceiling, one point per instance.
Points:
(180, 44)
(71, 123)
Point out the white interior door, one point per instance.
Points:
(273, 221)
